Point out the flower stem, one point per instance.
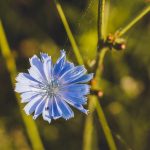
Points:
(88, 129)
(99, 67)
(30, 125)
(100, 19)
(105, 126)
(134, 21)
(69, 33)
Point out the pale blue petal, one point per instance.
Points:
(83, 79)
(77, 106)
(21, 88)
(66, 67)
(27, 96)
(39, 108)
(72, 74)
(36, 62)
(46, 111)
(31, 106)
(58, 67)
(26, 79)
(46, 116)
(67, 113)
(44, 56)
(48, 68)
(74, 99)
(80, 107)
(34, 73)
(56, 112)
(79, 89)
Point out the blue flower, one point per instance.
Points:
(48, 89)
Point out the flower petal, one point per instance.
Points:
(58, 67)
(78, 89)
(39, 108)
(67, 113)
(34, 73)
(83, 79)
(35, 62)
(26, 79)
(74, 99)
(31, 106)
(72, 74)
(48, 68)
(47, 110)
(68, 65)
(77, 106)
(21, 88)
(28, 96)
(36, 70)
(56, 111)
(81, 108)
(44, 56)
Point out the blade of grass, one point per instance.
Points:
(11, 66)
(69, 33)
(134, 21)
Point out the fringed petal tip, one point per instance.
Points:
(87, 112)
(69, 117)
(35, 117)
(63, 52)
(44, 56)
(26, 113)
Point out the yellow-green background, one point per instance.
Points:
(33, 26)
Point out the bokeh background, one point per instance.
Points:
(34, 26)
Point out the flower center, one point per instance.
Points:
(52, 87)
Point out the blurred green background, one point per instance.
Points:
(33, 26)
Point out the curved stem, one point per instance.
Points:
(134, 21)
(69, 33)
(30, 125)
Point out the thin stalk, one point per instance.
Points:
(100, 19)
(134, 21)
(100, 31)
(11, 66)
(69, 33)
(99, 67)
(105, 127)
(88, 129)
(101, 115)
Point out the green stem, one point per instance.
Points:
(11, 66)
(69, 33)
(100, 20)
(134, 21)
(98, 70)
(105, 127)
(101, 116)
(100, 31)
(88, 129)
